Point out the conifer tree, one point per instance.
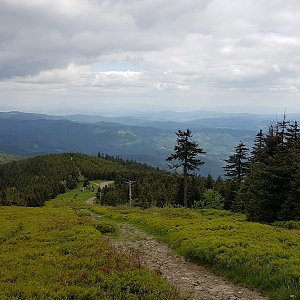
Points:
(185, 157)
(282, 130)
(257, 146)
(293, 133)
(271, 189)
(237, 164)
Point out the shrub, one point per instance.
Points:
(105, 227)
(255, 254)
(48, 253)
(211, 199)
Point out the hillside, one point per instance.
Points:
(147, 141)
(258, 255)
(33, 181)
(223, 240)
(60, 253)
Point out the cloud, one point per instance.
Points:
(204, 51)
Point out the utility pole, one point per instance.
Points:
(130, 182)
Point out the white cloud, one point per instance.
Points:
(68, 75)
(118, 79)
(216, 52)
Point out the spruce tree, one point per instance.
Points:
(293, 133)
(282, 130)
(271, 189)
(237, 164)
(185, 157)
(258, 146)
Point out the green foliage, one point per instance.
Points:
(287, 224)
(237, 164)
(83, 212)
(152, 187)
(185, 152)
(52, 253)
(106, 227)
(269, 189)
(32, 181)
(272, 188)
(185, 157)
(258, 255)
(75, 198)
(211, 199)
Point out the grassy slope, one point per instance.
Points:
(56, 252)
(258, 255)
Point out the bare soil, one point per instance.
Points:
(191, 280)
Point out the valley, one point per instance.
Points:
(141, 138)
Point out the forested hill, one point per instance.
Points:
(32, 181)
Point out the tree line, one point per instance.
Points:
(34, 180)
(263, 183)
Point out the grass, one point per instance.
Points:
(260, 256)
(72, 198)
(59, 252)
(294, 225)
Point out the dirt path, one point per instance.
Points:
(91, 200)
(191, 280)
(103, 184)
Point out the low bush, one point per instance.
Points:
(258, 255)
(287, 224)
(49, 253)
(105, 227)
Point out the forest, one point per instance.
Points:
(263, 183)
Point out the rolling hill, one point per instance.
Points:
(145, 139)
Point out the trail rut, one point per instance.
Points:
(192, 281)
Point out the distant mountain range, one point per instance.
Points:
(148, 138)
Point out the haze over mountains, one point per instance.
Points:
(146, 137)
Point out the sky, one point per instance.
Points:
(102, 56)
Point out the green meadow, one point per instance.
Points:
(59, 252)
(257, 255)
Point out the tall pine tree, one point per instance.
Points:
(185, 156)
(271, 190)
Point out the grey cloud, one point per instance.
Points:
(195, 47)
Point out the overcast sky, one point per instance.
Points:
(92, 56)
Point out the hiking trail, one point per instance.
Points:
(191, 280)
